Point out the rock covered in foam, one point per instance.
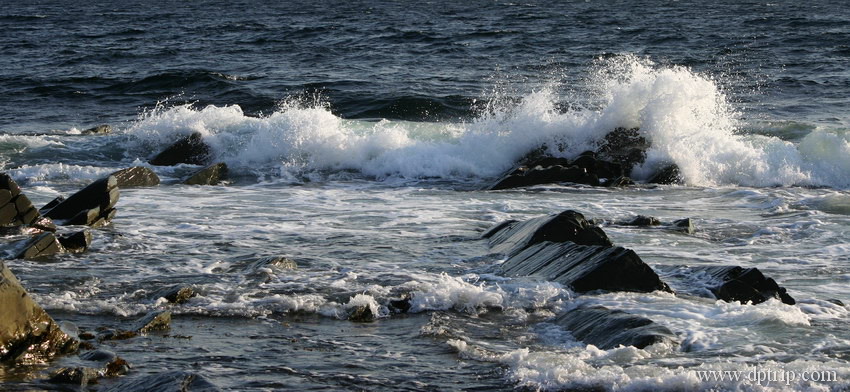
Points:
(607, 328)
(92, 206)
(191, 149)
(210, 175)
(136, 176)
(27, 333)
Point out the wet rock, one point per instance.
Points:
(136, 177)
(93, 205)
(98, 356)
(361, 314)
(164, 382)
(668, 174)
(116, 367)
(153, 321)
(733, 283)
(512, 237)
(606, 328)
(401, 305)
(835, 301)
(113, 334)
(545, 175)
(624, 146)
(684, 225)
(51, 204)
(210, 175)
(98, 130)
(80, 376)
(27, 333)
(585, 268)
(643, 220)
(45, 245)
(177, 294)
(191, 149)
(16, 209)
(78, 242)
(86, 336)
(619, 182)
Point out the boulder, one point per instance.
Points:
(643, 220)
(16, 209)
(45, 245)
(191, 149)
(606, 328)
(78, 242)
(135, 177)
(78, 376)
(164, 382)
(684, 225)
(625, 147)
(177, 294)
(98, 130)
(511, 237)
(27, 333)
(585, 268)
(733, 283)
(210, 175)
(93, 205)
(361, 314)
(153, 321)
(668, 174)
(538, 175)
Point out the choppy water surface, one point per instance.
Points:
(358, 137)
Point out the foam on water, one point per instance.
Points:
(685, 115)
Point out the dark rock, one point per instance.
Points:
(78, 242)
(113, 334)
(80, 376)
(116, 367)
(27, 334)
(136, 176)
(177, 294)
(7, 183)
(743, 284)
(601, 168)
(585, 268)
(16, 209)
(401, 305)
(545, 175)
(668, 174)
(626, 147)
(512, 237)
(361, 314)
(684, 225)
(210, 175)
(91, 205)
(99, 356)
(643, 220)
(52, 203)
(44, 245)
(153, 321)
(835, 301)
(98, 130)
(191, 149)
(86, 336)
(164, 382)
(607, 329)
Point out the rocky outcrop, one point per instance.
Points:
(177, 294)
(668, 174)
(136, 177)
(606, 328)
(164, 382)
(27, 333)
(742, 284)
(569, 226)
(191, 149)
(210, 175)
(92, 206)
(44, 245)
(98, 130)
(16, 209)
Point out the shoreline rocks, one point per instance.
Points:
(606, 328)
(734, 283)
(135, 177)
(92, 206)
(210, 175)
(191, 149)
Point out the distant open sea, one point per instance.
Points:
(359, 136)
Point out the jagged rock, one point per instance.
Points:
(16, 209)
(626, 147)
(606, 328)
(98, 130)
(191, 149)
(44, 245)
(545, 175)
(210, 175)
(684, 225)
(361, 314)
(80, 376)
(165, 382)
(512, 237)
(668, 174)
(136, 176)
(643, 220)
(78, 242)
(93, 205)
(585, 268)
(27, 333)
(153, 321)
(733, 283)
(177, 294)
(8, 184)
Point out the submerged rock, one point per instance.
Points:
(98, 130)
(27, 333)
(79, 376)
(210, 175)
(733, 283)
(135, 177)
(165, 382)
(153, 321)
(177, 294)
(191, 149)
(361, 314)
(45, 245)
(569, 226)
(92, 206)
(606, 328)
(585, 268)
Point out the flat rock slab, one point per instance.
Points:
(153, 321)
(606, 328)
(585, 268)
(91, 206)
(511, 237)
(136, 177)
(27, 333)
(210, 175)
(45, 245)
(165, 382)
(16, 209)
(191, 149)
(733, 283)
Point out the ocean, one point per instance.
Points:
(360, 137)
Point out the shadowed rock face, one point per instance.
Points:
(165, 382)
(191, 149)
(585, 268)
(607, 329)
(44, 245)
(210, 175)
(744, 285)
(569, 226)
(136, 176)
(93, 205)
(27, 333)
(16, 209)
